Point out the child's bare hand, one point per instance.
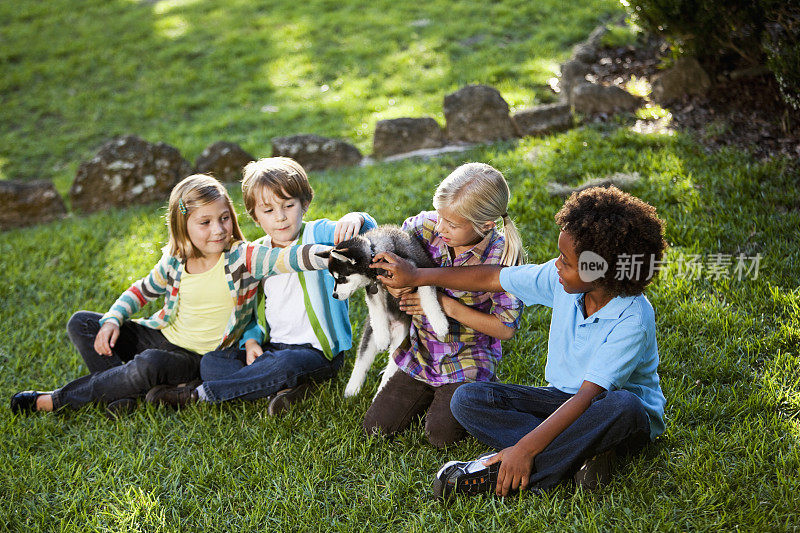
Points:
(347, 227)
(401, 272)
(253, 350)
(398, 293)
(106, 338)
(410, 304)
(516, 466)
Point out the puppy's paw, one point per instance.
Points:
(440, 325)
(352, 389)
(381, 341)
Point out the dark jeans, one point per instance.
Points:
(226, 374)
(404, 399)
(499, 415)
(141, 359)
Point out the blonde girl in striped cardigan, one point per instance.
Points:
(208, 277)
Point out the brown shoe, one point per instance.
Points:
(284, 399)
(595, 472)
(173, 396)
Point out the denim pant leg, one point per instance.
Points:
(615, 420)
(222, 364)
(500, 414)
(281, 366)
(82, 329)
(162, 363)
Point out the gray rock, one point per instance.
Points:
(620, 180)
(224, 161)
(590, 98)
(401, 135)
(25, 203)
(315, 152)
(544, 119)
(686, 76)
(127, 170)
(595, 38)
(573, 73)
(477, 113)
(584, 52)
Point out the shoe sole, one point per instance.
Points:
(469, 484)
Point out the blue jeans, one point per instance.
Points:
(141, 359)
(499, 415)
(226, 374)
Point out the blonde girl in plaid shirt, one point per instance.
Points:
(462, 231)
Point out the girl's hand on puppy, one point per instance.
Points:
(347, 227)
(411, 304)
(106, 338)
(253, 350)
(401, 273)
(398, 293)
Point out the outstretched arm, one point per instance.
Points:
(466, 278)
(263, 261)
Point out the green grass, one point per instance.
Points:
(729, 368)
(188, 73)
(75, 73)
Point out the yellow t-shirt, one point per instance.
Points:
(204, 307)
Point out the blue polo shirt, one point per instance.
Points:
(614, 348)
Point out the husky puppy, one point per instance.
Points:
(387, 326)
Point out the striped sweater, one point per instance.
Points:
(246, 264)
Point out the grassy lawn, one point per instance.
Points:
(187, 72)
(190, 73)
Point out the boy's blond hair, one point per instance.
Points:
(192, 192)
(479, 193)
(283, 176)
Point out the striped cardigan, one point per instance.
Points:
(246, 264)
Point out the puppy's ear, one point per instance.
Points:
(325, 255)
(339, 256)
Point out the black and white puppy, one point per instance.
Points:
(387, 325)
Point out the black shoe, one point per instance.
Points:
(284, 399)
(595, 472)
(25, 402)
(466, 477)
(121, 407)
(173, 396)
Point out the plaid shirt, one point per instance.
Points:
(465, 354)
(246, 264)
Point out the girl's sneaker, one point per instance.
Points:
(466, 477)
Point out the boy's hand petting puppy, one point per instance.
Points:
(401, 272)
(347, 227)
(106, 338)
(253, 349)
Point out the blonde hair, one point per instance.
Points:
(479, 193)
(192, 192)
(283, 176)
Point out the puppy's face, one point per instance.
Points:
(347, 264)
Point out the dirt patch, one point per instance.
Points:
(742, 109)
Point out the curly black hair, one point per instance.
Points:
(622, 229)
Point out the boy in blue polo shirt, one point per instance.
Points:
(603, 394)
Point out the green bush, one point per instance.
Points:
(755, 31)
(782, 44)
